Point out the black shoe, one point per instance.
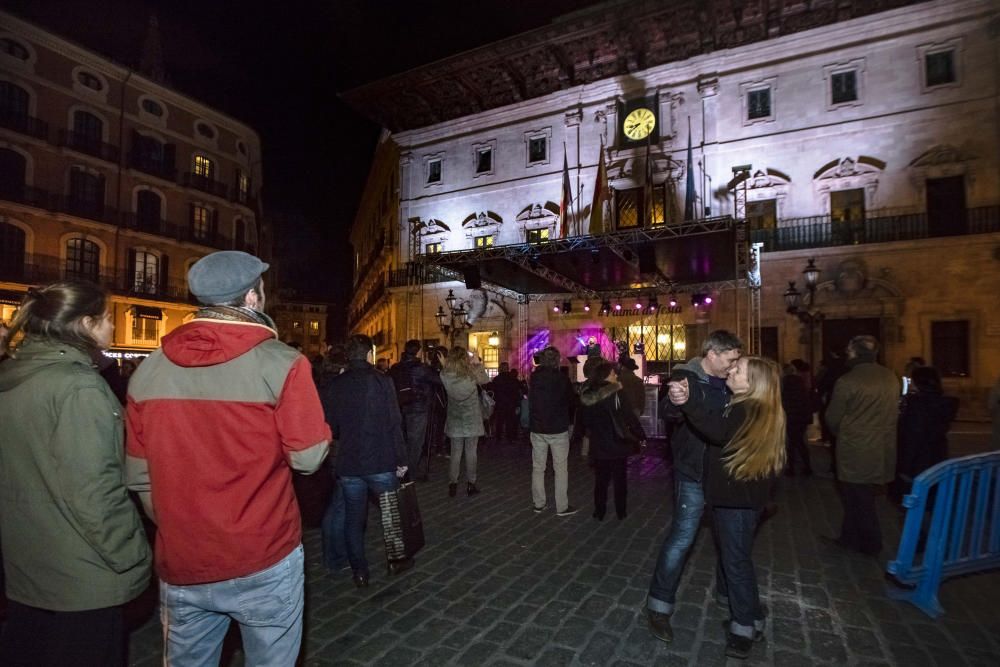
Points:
(361, 579)
(400, 566)
(452, 489)
(737, 646)
(471, 489)
(659, 625)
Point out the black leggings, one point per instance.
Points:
(606, 471)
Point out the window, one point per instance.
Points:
(13, 168)
(87, 127)
(205, 130)
(83, 259)
(204, 167)
(537, 149)
(314, 327)
(241, 147)
(939, 68)
(763, 214)
(144, 329)
(148, 210)
(485, 241)
(146, 272)
(13, 100)
(86, 190)
(950, 347)
(432, 248)
(296, 324)
(538, 235)
(484, 160)
(152, 107)
(148, 150)
(201, 221)
(13, 241)
(759, 104)
(13, 48)
(844, 87)
(434, 171)
(628, 204)
(90, 81)
(242, 186)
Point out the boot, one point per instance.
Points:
(471, 489)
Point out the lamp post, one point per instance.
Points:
(802, 307)
(453, 321)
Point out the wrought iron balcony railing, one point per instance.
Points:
(83, 143)
(205, 184)
(25, 124)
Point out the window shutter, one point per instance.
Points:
(190, 228)
(164, 274)
(130, 271)
(169, 156)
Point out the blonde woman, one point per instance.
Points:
(747, 453)
(462, 375)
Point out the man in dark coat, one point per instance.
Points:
(720, 352)
(862, 415)
(507, 393)
(632, 385)
(797, 402)
(363, 413)
(415, 383)
(550, 404)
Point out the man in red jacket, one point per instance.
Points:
(217, 420)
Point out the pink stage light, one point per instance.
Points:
(708, 300)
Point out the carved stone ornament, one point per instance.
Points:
(850, 277)
(482, 219)
(431, 228)
(538, 215)
(942, 154)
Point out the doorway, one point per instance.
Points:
(838, 333)
(946, 206)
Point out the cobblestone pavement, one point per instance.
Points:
(499, 585)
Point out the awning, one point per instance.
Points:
(147, 312)
(681, 257)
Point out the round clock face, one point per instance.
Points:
(639, 124)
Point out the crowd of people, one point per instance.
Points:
(208, 431)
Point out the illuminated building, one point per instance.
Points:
(108, 175)
(868, 135)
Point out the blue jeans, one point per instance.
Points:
(736, 528)
(415, 432)
(356, 491)
(333, 530)
(689, 505)
(267, 605)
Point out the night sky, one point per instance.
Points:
(279, 66)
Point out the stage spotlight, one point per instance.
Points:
(654, 304)
(605, 307)
(673, 300)
(555, 308)
(708, 299)
(586, 307)
(701, 299)
(567, 307)
(618, 307)
(638, 305)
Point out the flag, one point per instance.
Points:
(600, 196)
(689, 194)
(648, 185)
(567, 199)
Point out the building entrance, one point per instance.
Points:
(946, 206)
(838, 333)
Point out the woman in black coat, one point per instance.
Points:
(747, 452)
(614, 432)
(924, 421)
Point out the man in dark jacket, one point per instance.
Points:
(550, 400)
(415, 383)
(632, 385)
(361, 408)
(719, 354)
(507, 391)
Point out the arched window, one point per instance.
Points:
(13, 168)
(148, 210)
(83, 260)
(12, 244)
(145, 269)
(86, 192)
(204, 167)
(152, 107)
(14, 48)
(13, 100)
(87, 127)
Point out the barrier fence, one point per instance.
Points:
(952, 527)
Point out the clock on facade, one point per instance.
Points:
(639, 124)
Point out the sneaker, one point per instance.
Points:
(569, 511)
(659, 625)
(538, 509)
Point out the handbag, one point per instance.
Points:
(402, 526)
(622, 432)
(486, 403)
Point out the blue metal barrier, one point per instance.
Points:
(964, 533)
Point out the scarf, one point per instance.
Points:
(236, 314)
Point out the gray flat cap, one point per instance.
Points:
(224, 276)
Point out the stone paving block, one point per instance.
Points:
(909, 655)
(477, 654)
(399, 656)
(574, 632)
(506, 598)
(618, 619)
(574, 592)
(687, 616)
(852, 614)
(595, 606)
(863, 643)
(529, 643)
(827, 646)
(437, 657)
(784, 607)
(557, 657)
(784, 658)
(788, 634)
(553, 613)
(814, 596)
(521, 613)
(484, 618)
(819, 619)
(461, 637)
(431, 633)
(599, 650)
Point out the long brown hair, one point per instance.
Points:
(758, 448)
(55, 312)
(458, 363)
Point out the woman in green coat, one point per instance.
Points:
(74, 550)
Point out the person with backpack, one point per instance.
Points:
(415, 384)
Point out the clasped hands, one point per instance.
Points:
(678, 391)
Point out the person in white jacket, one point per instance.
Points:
(462, 376)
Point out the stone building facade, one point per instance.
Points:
(867, 134)
(303, 323)
(107, 174)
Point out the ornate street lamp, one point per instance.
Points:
(453, 321)
(802, 307)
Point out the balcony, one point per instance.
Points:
(25, 194)
(83, 143)
(159, 168)
(878, 226)
(178, 232)
(417, 274)
(205, 184)
(25, 124)
(84, 208)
